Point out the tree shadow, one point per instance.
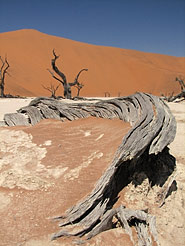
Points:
(157, 168)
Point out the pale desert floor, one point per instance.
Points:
(34, 186)
(8, 105)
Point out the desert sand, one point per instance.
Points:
(38, 181)
(113, 70)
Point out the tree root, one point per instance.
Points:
(144, 223)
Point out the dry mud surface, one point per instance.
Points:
(47, 168)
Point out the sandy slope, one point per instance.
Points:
(38, 180)
(111, 70)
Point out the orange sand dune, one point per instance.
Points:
(113, 70)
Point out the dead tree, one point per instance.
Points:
(143, 149)
(3, 71)
(107, 94)
(67, 86)
(181, 82)
(52, 89)
(180, 95)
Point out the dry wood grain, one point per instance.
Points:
(144, 148)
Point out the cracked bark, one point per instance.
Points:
(143, 149)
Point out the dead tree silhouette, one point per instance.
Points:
(52, 89)
(3, 71)
(66, 85)
(180, 95)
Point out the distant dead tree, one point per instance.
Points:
(107, 94)
(67, 86)
(52, 89)
(3, 71)
(173, 97)
(181, 82)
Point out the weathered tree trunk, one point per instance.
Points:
(2, 89)
(67, 91)
(180, 95)
(143, 150)
(3, 70)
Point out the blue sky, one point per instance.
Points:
(156, 26)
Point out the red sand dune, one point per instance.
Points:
(112, 70)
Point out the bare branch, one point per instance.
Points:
(56, 88)
(3, 63)
(172, 98)
(52, 74)
(55, 68)
(79, 87)
(52, 89)
(84, 69)
(181, 82)
(76, 79)
(47, 88)
(4, 67)
(56, 57)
